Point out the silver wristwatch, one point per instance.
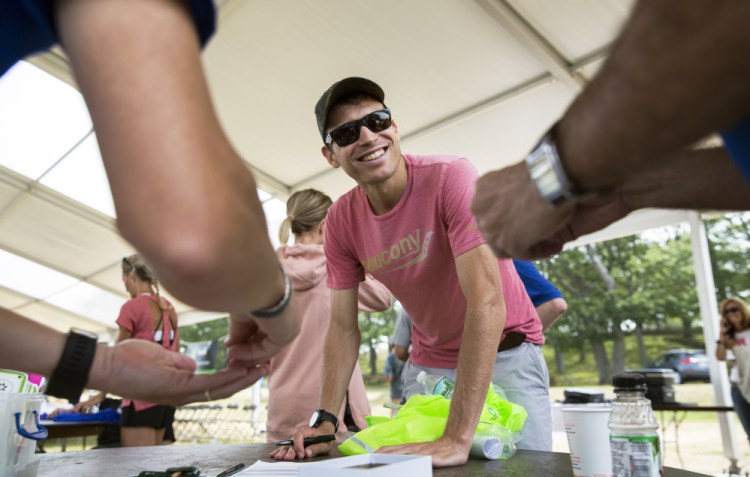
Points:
(546, 170)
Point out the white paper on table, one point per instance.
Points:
(271, 469)
(386, 465)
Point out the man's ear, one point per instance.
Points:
(328, 154)
(395, 127)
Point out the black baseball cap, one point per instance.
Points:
(339, 89)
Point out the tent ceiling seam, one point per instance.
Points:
(521, 28)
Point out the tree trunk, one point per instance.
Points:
(373, 359)
(618, 351)
(559, 362)
(602, 361)
(619, 347)
(581, 354)
(687, 329)
(641, 346)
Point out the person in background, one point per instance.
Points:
(401, 338)
(626, 142)
(392, 370)
(146, 316)
(187, 201)
(735, 336)
(545, 296)
(294, 380)
(407, 222)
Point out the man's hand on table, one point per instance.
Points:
(298, 450)
(445, 452)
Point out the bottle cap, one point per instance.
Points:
(629, 382)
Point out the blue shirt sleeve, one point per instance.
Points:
(737, 142)
(28, 26)
(540, 289)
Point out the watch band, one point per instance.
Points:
(321, 415)
(72, 371)
(546, 170)
(281, 305)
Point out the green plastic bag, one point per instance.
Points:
(423, 419)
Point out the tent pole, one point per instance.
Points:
(704, 282)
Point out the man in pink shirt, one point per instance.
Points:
(408, 224)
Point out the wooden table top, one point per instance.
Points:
(212, 459)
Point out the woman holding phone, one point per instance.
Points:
(735, 336)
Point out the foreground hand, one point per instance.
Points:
(445, 452)
(139, 369)
(517, 222)
(253, 341)
(514, 218)
(298, 450)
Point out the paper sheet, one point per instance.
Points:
(271, 469)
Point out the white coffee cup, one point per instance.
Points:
(588, 438)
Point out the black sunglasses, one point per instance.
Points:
(348, 133)
(727, 311)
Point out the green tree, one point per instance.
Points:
(217, 330)
(729, 242)
(373, 327)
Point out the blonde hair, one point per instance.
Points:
(134, 264)
(305, 209)
(742, 306)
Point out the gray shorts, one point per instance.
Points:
(522, 373)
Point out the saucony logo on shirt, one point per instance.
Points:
(408, 251)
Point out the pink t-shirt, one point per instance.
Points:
(136, 316)
(412, 249)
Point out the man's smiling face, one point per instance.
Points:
(374, 157)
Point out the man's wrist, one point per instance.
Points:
(72, 371)
(279, 307)
(547, 172)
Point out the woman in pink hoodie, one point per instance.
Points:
(295, 379)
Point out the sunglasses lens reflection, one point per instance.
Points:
(348, 133)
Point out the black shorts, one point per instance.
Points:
(156, 417)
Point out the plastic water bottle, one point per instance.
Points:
(633, 440)
(437, 385)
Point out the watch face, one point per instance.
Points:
(314, 418)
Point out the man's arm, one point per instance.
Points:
(479, 278)
(135, 369)
(184, 198)
(550, 311)
(650, 99)
(401, 352)
(646, 105)
(340, 353)
(373, 295)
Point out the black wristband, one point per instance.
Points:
(72, 371)
(281, 305)
(321, 415)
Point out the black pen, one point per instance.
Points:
(231, 471)
(309, 440)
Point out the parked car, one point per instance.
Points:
(689, 364)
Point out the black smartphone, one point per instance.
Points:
(309, 440)
(730, 328)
